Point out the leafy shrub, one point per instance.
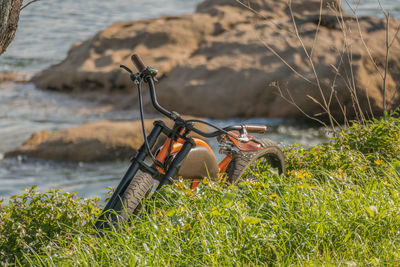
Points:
(34, 221)
(363, 149)
(376, 139)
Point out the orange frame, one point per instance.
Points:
(176, 147)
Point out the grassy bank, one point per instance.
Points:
(339, 203)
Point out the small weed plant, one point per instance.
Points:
(338, 204)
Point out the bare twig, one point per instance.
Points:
(357, 107)
(388, 46)
(386, 61)
(369, 104)
(273, 51)
(395, 94)
(354, 11)
(395, 36)
(27, 4)
(321, 105)
(349, 79)
(266, 19)
(386, 14)
(343, 69)
(317, 31)
(325, 105)
(292, 102)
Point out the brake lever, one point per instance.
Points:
(134, 77)
(243, 135)
(126, 68)
(244, 138)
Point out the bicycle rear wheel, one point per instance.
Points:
(270, 156)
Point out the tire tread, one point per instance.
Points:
(241, 162)
(137, 190)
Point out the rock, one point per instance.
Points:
(12, 77)
(97, 141)
(8, 76)
(227, 60)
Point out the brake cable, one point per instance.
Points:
(139, 86)
(214, 126)
(137, 79)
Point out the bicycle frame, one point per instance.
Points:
(177, 146)
(178, 143)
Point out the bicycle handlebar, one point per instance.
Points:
(138, 62)
(153, 97)
(255, 128)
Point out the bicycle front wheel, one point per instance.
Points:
(139, 188)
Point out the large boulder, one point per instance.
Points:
(229, 60)
(96, 141)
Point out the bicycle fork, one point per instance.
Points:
(114, 203)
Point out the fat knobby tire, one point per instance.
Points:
(138, 189)
(241, 161)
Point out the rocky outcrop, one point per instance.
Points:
(227, 59)
(97, 141)
(13, 77)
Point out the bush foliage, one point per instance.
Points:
(371, 148)
(33, 222)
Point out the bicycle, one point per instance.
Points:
(182, 156)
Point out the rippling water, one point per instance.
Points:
(46, 30)
(372, 7)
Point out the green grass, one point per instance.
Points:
(339, 204)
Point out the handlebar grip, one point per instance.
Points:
(255, 128)
(138, 62)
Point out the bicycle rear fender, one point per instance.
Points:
(249, 146)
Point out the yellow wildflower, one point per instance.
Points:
(254, 184)
(302, 175)
(341, 173)
(387, 184)
(180, 185)
(273, 197)
(189, 192)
